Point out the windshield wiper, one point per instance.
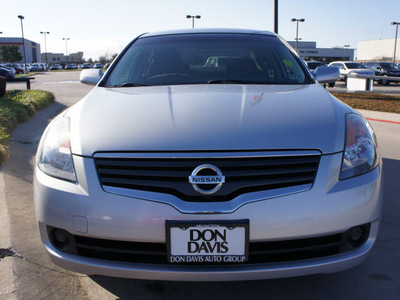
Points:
(218, 81)
(127, 84)
(132, 84)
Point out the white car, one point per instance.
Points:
(171, 169)
(36, 67)
(348, 67)
(44, 67)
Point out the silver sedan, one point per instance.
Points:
(172, 168)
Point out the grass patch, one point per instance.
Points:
(25, 75)
(370, 101)
(18, 106)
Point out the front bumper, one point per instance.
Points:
(329, 207)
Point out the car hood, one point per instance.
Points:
(207, 117)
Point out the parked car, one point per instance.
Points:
(220, 61)
(98, 66)
(87, 66)
(172, 170)
(44, 67)
(18, 69)
(349, 67)
(6, 73)
(10, 69)
(70, 67)
(384, 69)
(312, 65)
(36, 68)
(56, 67)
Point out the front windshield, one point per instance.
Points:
(355, 66)
(207, 58)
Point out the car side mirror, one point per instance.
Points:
(326, 74)
(91, 76)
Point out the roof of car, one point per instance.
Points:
(346, 62)
(208, 30)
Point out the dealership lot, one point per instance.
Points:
(392, 89)
(378, 277)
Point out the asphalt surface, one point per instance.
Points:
(27, 273)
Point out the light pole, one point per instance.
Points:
(45, 44)
(297, 30)
(23, 40)
(193, 17)
(395, 40)
(276, 16)
(66, 49)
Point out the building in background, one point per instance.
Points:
(309, 51)
(60, 58)
(32, 49)
(378, 50)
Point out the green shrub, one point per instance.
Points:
(18, 106)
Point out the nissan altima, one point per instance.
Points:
(176, 168)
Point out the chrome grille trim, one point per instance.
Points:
(151, 175)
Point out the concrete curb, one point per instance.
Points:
(380, 116)
(7, 281)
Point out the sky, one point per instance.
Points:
(105, 27)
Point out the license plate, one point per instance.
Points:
(207, 241)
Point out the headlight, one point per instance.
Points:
(54, 154)
(360, 153)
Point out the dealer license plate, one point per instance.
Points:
(207, 242)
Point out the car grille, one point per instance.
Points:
(259, 252)
(242, 174)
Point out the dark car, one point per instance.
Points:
(18, 69)
(312, 65)
(6, 73)
(384, 69)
